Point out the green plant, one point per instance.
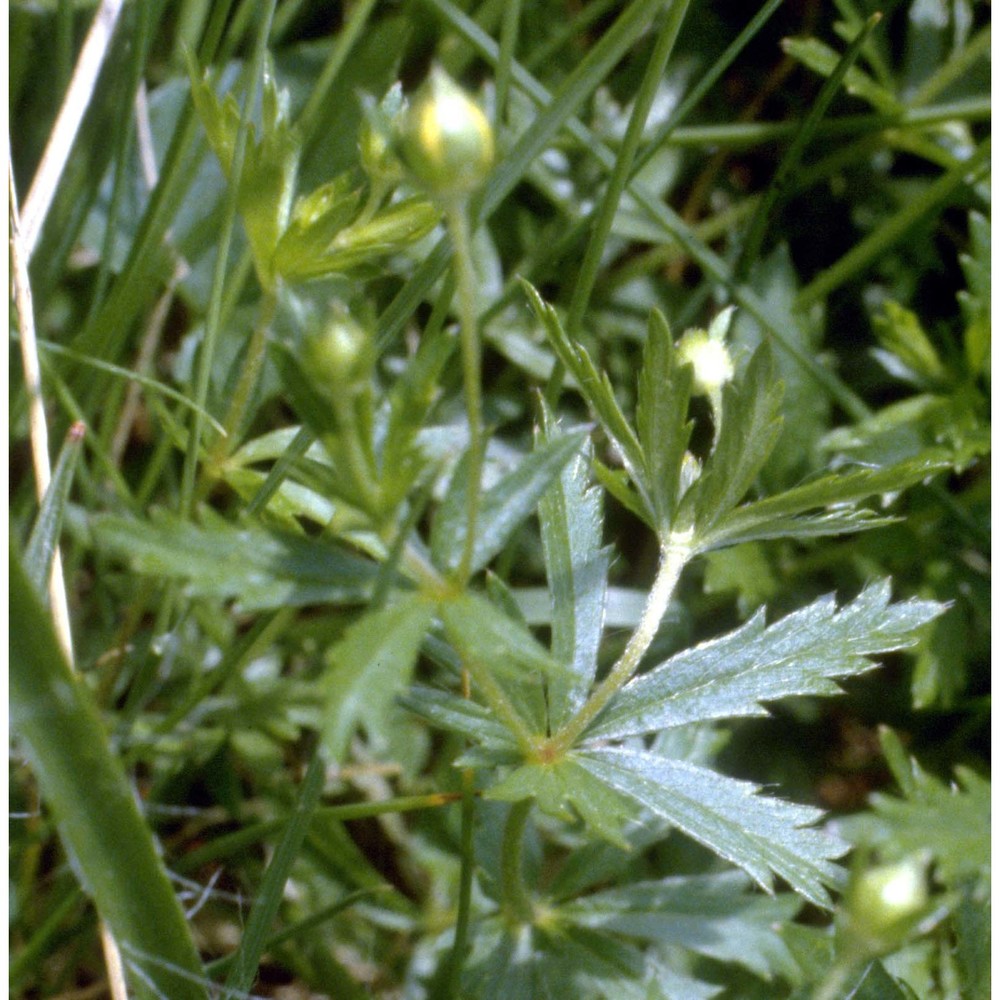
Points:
(467, 593)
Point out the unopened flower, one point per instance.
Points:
(445, 138)
(340, 354)
(883, 903)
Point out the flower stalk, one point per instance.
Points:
(678, 548)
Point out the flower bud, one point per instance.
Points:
(710, 360)
(883, 903)
(340, 354)
(445, 139)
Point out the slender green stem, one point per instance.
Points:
(212, 322)
(245, 385)
(515, 900)
(320, 96)
(704, 85)
(464, 912)
(359, 464)
(508, 43)
(790, 161)
(891, 230)
(458, 224)
(376, 195)
(676, 552)
(622, 169)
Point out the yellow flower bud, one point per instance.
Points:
(340, 354)
(445, 139)
(709, 358)
(883, 903)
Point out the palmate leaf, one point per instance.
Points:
(258, 567)
(564, 788)
(951, 821)
(763, 836)
(733, 675)
(370, 665)
(661, 419)
(577, 570)
(460, 715)
(713, 915)
(596, 389)
(503, 506)
(796, 514)
(751, 423)
(497, 650)
(532, 963)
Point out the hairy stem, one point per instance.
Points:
(461, 941)
(458, 224)
(677, 550)
(515, 901)
(245, 384)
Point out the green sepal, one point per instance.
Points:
(332, 244)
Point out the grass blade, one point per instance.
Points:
(45, 535)
(243, 970)
(84, 786)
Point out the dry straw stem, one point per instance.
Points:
(75, 103)
(37, 426)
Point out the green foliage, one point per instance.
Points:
(557, 512)
(61, 734)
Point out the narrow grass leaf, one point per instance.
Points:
(109, 845)
(763, 836)
(734, 675)
(45, 534)
(246, 959)
(604, 215)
